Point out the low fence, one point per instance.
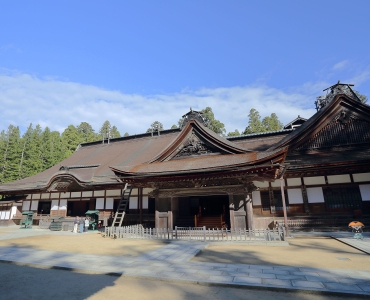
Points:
(196, 233)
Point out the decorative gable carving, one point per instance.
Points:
(194, 146)
(345, 129)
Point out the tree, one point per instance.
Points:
(213, 124)
(126, 134)
(234, 133)
(86, 133)
(114, 133)
(269, 123)
(272, 123)
(70, 139)
(254, 124)
(9, 170)
(362, 97)
(174, 126)
(105, 130)
(155, 126)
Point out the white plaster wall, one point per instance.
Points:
(26, 205)
(65, 195)
(256, 198)
(7, 215)
(339, 178)
(45, 196)
(294, 181)
(13, 211)
(260, 184)
(145, 202)
(54, 205)
(87, 194)
(295, 196)
(113, 193)
(315, 195)
(276, 183)
(109, 203)
(99, 203)
(63, 205)
(34, 204)
(133, 203)
(361, 177)
(314, 180)
(365, 192)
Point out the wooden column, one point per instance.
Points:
(284, 206)
(140, 199)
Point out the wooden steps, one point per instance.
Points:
(209, 222)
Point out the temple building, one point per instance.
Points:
(191, 176)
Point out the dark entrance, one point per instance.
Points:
(44, 207)
(77, 208)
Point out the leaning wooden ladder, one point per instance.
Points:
(122, 207)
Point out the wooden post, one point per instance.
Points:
(284, 206)
(140, 194)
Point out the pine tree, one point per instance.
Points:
(254, 124)
(234, 133)
(86, 133)
(70, 139)
(25, 143)
(213, 124)
(272, 123)
(114, 132)
(10, 167)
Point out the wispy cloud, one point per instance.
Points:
(8, 47)
(340, 65)
(54, 103)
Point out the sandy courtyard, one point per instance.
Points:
(92, 243)
(315, 252)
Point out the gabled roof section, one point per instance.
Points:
(343, 122)
(203, 164)
(195, 140)
(295, 123)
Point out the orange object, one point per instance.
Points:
(355, 223)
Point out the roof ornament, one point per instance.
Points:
(193, 115)
(332, 91)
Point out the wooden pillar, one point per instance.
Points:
(231, 208)
(140, 199)
(249, 209)
(284, 206)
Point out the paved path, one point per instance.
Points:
(171, 262)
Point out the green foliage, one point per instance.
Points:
(71, 139)
(212, 123)
(174, 126)
(86, 133)
(126, 134)
(362, 97)
(234, 133)
(255, 125)
(155, 126)
(39, 149)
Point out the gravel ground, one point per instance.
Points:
(316, 252)
(88, 243)
(21, 282)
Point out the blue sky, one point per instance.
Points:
(134, 62)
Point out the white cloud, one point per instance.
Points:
(340, 65)
(56, 104)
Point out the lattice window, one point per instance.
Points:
(342, 198)
(340, 133)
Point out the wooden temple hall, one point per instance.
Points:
(319, 167)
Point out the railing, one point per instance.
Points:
(196, 233)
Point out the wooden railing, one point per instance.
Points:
(196, 233)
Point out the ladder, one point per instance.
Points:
(122, 207)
